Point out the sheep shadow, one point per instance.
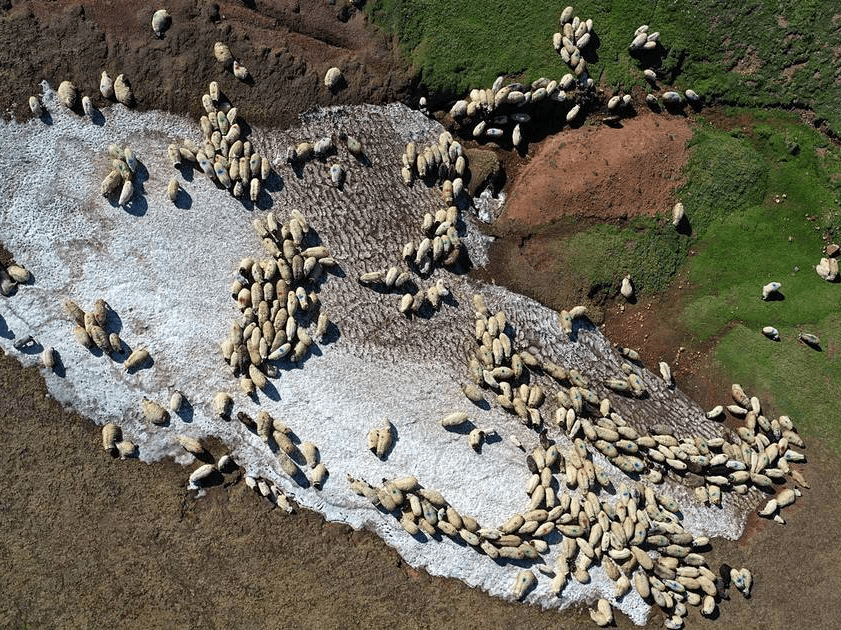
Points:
(183, 200)
(186, 171)
(684, 227)
(814, 346)
(331, 335)
(483, 405)
(97, 118)
(676, 109)
(212, 480)
(273, 183)
(4, 329)
(29, 346)
(339, 85)
(270, 391)
(654, 106)
(186, 411)
(461, 429)
(59, 369)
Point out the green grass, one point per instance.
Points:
(648, 249)
(795, 379)
(748, 240)
(755, 53)
(724, 174)
(742, 234)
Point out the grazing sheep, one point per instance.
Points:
(770, 289)
(68, 94)
(123, 91)
(627, 289)
(678, 213)
(106, 85)
(333, 79)
(35, 106)
(161, 21)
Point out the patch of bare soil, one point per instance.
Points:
(287, 46)
(651, 326)
(601, 171)
(789, 71)
(747, 64)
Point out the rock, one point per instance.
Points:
(485, 169)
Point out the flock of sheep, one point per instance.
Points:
(226, 155)
(636, 537)
(278, 300)
(487, 114)
(439, 240)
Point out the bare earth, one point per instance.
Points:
(600, 171)
(287, 45)
(87, 541)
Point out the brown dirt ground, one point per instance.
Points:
(619, 173)
(601, 171)
(88, 541)
(287, 46)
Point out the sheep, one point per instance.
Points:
(333, 79)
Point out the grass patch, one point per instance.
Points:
(755, 53)
(746, 239)
(794, 379)
(724, 174)
(601, 256)
(751, 240)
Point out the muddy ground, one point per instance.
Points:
(87, 541)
